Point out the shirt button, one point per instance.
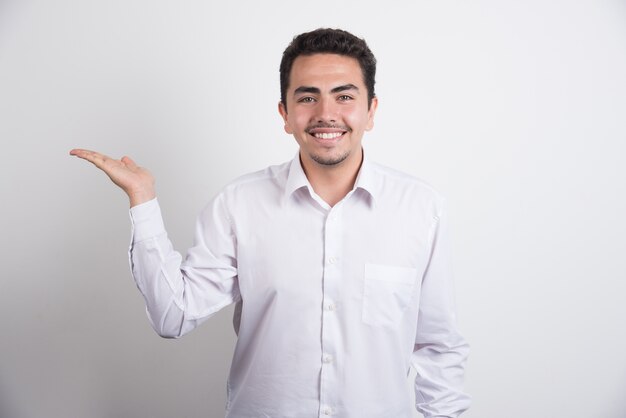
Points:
(328, 411)
(331, 307)
(332, 260)
(328, 358)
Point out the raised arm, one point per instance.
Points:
(137, 182)
(179, 295)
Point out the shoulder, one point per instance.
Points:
(404, 185)
(268, 176)
(256, 186)
(256, 190)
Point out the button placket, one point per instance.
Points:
(332, 277)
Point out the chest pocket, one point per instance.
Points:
(387, 291)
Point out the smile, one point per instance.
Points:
(330, 135)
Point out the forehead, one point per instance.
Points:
(316, 69)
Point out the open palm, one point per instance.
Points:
(136, 181)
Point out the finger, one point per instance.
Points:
(81, 151)
(92, 156)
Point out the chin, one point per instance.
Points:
(329, 160)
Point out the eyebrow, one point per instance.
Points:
(345, 87)
(315, 90)
(306, 89)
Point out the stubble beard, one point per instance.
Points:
(331, 159)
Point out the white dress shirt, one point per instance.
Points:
(334, 304)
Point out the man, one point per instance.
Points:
(338, 266)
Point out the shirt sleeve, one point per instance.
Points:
(179, 294)
(440, 352)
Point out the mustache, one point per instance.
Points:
(329, 126)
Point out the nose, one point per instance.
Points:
(326, 110)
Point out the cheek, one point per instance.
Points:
(295, 124)
(357, 120)
(300, 121)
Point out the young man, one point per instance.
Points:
(338, 266)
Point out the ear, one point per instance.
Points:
(370, 114)
(283, 112)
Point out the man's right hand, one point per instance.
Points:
(137, 182)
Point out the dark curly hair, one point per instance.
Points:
(329, 41)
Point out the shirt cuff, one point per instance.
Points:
(147, 221)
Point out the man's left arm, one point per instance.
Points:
(440, 352)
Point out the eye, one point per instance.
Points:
(306, 99)
(344, 98)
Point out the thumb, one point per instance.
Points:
(129, 162)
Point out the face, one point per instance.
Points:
(327, 110)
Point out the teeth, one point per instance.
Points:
(329, 135)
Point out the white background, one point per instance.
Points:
(514, 110)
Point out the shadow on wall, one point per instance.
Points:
(7, 410)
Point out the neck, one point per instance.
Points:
(332, 182)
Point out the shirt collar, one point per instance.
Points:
(366, 180)
(296, 179)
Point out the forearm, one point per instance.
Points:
(440, 367)
(155, 266)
